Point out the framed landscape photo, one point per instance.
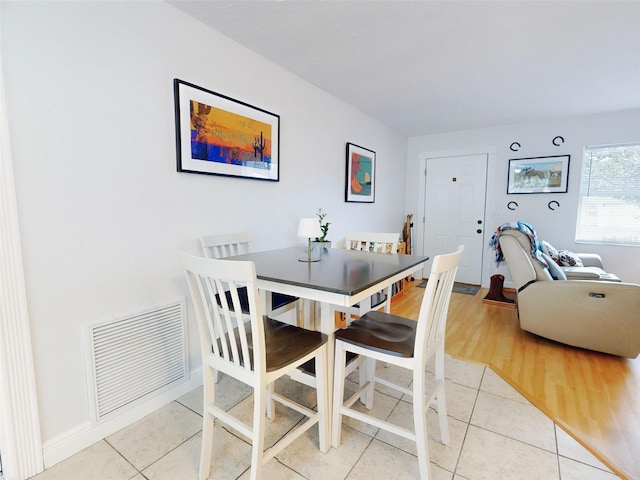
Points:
(361, 174)
(538, 174)
(217, 135)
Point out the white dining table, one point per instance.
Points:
(341, 278)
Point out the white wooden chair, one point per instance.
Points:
(226, 245)
(405, 343)
(256, 352)
(382, 243)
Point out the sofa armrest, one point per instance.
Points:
(588, 273)
(591, 260)
(600, 316)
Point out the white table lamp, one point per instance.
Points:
(309, 228)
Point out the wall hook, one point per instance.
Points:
(557, 141)
(512, 207)
(552, 201)
(514, 147)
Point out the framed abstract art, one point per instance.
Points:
(218, 135)
(361, 174)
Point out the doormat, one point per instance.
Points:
(457, 287)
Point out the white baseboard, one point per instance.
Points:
(86, 434)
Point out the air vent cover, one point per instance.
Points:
(136, 355)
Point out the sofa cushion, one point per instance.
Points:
(549, 250)
(554, 269)
(569, 259)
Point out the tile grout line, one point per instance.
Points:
(555, 436)
(372, 437)
(464, 438)
(138, 472)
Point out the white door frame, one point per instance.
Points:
(419, 218)
(20, 440)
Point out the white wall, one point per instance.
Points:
(103, 213)
(558, 226)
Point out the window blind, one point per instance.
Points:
(609, 205)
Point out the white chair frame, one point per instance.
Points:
(226, 245)
(429, 342)
(226, 347)
(370, 242)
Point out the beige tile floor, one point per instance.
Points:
(495, 434)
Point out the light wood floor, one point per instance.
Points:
(595, 397)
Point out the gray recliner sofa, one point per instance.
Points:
(597, 314)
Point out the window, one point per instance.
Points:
(609, 208)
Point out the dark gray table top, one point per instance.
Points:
(341, 271)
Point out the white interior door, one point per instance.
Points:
(454, 205)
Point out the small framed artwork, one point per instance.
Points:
(361, 174)
(217, 135)
(538, 174)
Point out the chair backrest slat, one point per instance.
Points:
(239, 336)
(432, 318)
(212, 315)
(224, 332)
(221, 246)
(230, 317)
(373, 242)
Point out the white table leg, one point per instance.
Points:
(328, 327)
(264, 302)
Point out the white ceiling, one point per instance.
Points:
(425, 67)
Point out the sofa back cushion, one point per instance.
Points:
(554, 270)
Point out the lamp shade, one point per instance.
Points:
(309, 228)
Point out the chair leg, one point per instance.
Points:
(367, 372)
(441, 398)
(338, 393)
(420, 409)
(207, 445)
(207, 423)
(269, 402)
(259, 426)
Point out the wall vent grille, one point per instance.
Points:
(136, 355)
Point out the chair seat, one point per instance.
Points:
(284, 343)
(381, 332)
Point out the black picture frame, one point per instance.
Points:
(360, 181)
(538, 175)
(219, 135)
